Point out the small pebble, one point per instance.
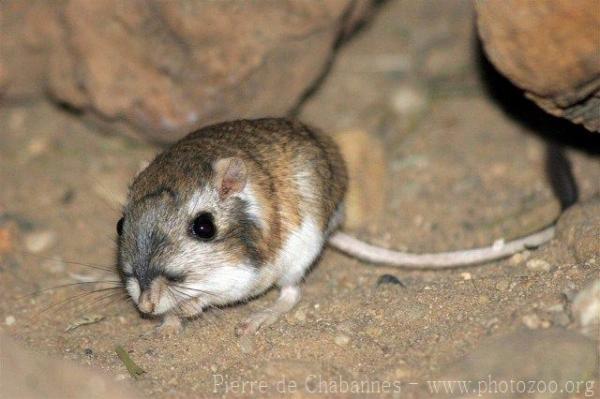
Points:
(39, 241)
(341, 340)
(519, 258)
(389, 279)
(586, 308)
(483, 299)
(502, 285)
(374, 331)
(538, 265)
(300, 315)
(10, 320)
(466, 276)
(533, 322)
(120, 377)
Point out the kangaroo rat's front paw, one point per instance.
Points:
(252, 324)
(288, 298)
(190, 308)
(171, 326)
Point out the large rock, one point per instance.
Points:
(26, 375)
(579, 229)
(550, 49)
(561, 363)
(160, 69)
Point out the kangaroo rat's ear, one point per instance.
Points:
(230, 176)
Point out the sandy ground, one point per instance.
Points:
(463, 168)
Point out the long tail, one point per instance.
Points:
(560, 176)
(370, 253)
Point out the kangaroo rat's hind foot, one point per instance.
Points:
(288, 298)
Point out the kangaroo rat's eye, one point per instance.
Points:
(120, 226)
(203, 227)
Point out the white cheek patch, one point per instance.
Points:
(194, 255)
(133, 288)
(299, 252)
(254, 208)
(223, 284)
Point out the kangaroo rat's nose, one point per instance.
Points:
(145, 303)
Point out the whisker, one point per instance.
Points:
(101, 301)
(62, 305)
(196, 290)
(81, 283)
(185, 294)
(106, 268)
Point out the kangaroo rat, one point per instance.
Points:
(235, 208)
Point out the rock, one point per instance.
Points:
(39, 241)
(160, 70)
(389, 279)
(578, 227)
(27, 375)
(341, 340)
(550, 50)
(466, 276)
(300, 315)
(374, 331)
(541, 355)
(10, 320)
(502, 285)
(586, 309)
(519, 257)
(533, 322)
(538, 265)
(367, 169)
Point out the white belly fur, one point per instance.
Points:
(299, 252)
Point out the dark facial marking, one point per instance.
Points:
(147, 265)
(120, 226)
(247, 231)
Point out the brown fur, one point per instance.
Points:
(274, 151)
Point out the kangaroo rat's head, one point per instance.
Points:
(186, 234)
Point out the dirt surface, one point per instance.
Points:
(463, 170)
